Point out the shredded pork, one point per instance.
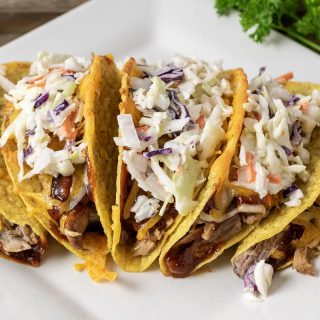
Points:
(261, 251)
(15, 238)
(302, 258)
(143, 247)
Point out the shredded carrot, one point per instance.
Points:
(37, 78)
(251, 173)
(304, 107)
(285, 78)
(40, 84)
(143, 129)
(200, 121)
(274, 178)
(38, 81)
(68, 128)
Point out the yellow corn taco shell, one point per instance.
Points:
(99, 94)
(219, 173)
(121, 253)
(280, 218)
(22, 238)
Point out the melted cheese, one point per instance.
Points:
(130, 200)
(142, 233)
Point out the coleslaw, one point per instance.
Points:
(181, 128)
(48, 113)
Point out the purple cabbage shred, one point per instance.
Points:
(157, 152)
(31, 132)
(287, 151)
(292, 101)
(61, 107)
(143, 137)
(249, 281)
(289, 190)
(170, 73)
(179, 108)
(41, 100)
(27, 152)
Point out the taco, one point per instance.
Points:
(175, 120)
(289, 235)
(22, 238)
(268, 171)
(57, 151)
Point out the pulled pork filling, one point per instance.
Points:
(276, 251)
(82, 216)
(20, 242)
(298, 243)
(144, 235)
(272, 155)
(184, 108)
(209, 234)
(199, 244)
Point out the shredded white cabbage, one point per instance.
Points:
(129, 136)
(145, 208)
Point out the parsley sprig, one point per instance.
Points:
(298, 19)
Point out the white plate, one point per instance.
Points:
(154, 30)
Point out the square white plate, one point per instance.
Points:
(154, 30)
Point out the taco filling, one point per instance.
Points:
(48, 127)
(20, 242)
(265, 173)
(298, 243)
(184, 109)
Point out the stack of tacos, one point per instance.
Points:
(204, 161)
